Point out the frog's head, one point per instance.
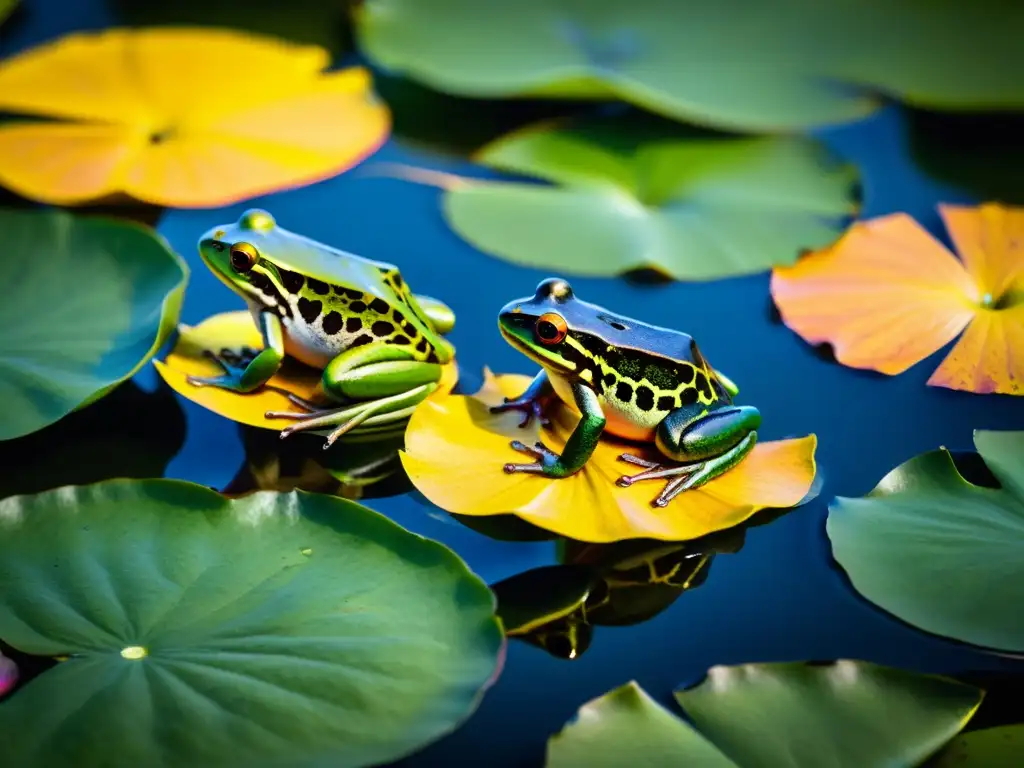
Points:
(238, 254)
(541, 326)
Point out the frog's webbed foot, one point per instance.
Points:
(677, 477)
(682, 477)
(532, 408)
(232, 362)
(544, 455)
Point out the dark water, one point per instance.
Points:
(778, 598)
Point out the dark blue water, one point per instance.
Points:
(778, 598)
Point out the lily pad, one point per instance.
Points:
(850, 714)
(6, 6)
(785, 65)
(988, 748)
(89, 302)
(938, 551)
(847, 714)
(627, 727)
(278, 629)
(624, 197)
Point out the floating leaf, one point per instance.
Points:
(850, 713)
(276, 629)
(780, 66)
(6, 6)
(939, 552)
(627, 727)
(989, 748)
(847, 714)
(628, 198)
(888, 294)
(88, 302)
(460, 432)
(140, 112)
(235, 330)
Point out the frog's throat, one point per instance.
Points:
(539, 355)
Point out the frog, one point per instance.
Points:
(380, 347)
(641, 383)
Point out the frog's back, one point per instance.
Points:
(331, 300)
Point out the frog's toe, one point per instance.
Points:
(532, 409)
(539, 451)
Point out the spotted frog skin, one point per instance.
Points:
(629, 379)
(381, 348)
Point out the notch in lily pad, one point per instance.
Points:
(89, 301)
(295, 628)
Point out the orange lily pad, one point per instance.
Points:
(888, 294)
(180, 117)
(455, 449)
(235, 330)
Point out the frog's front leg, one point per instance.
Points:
(378, 385)
(532, 402)
(258, 370)
(578, 448)
(706, 447)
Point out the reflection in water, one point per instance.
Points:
(356, 467)
(130, 433)
(557, 607)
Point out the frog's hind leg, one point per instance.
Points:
(374, 386)
(706, 447)
(371, 415)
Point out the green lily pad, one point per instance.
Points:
(6, 6)
(690, 206)
(848, 714)
(939, 552)
(989, 748)
(627, 727)
(277, 629)
(782, 66)
(89, 301)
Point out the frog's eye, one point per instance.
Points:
(243, 257)
(550, 328)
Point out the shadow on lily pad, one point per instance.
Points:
(459, 430)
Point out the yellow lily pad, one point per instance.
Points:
(180, 117)
(235, 330)
(455, 449)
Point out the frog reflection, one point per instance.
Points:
(557, 607)
(354, 468)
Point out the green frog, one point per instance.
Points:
(380, 347)
(629, 379)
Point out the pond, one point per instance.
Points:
(778, 597)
